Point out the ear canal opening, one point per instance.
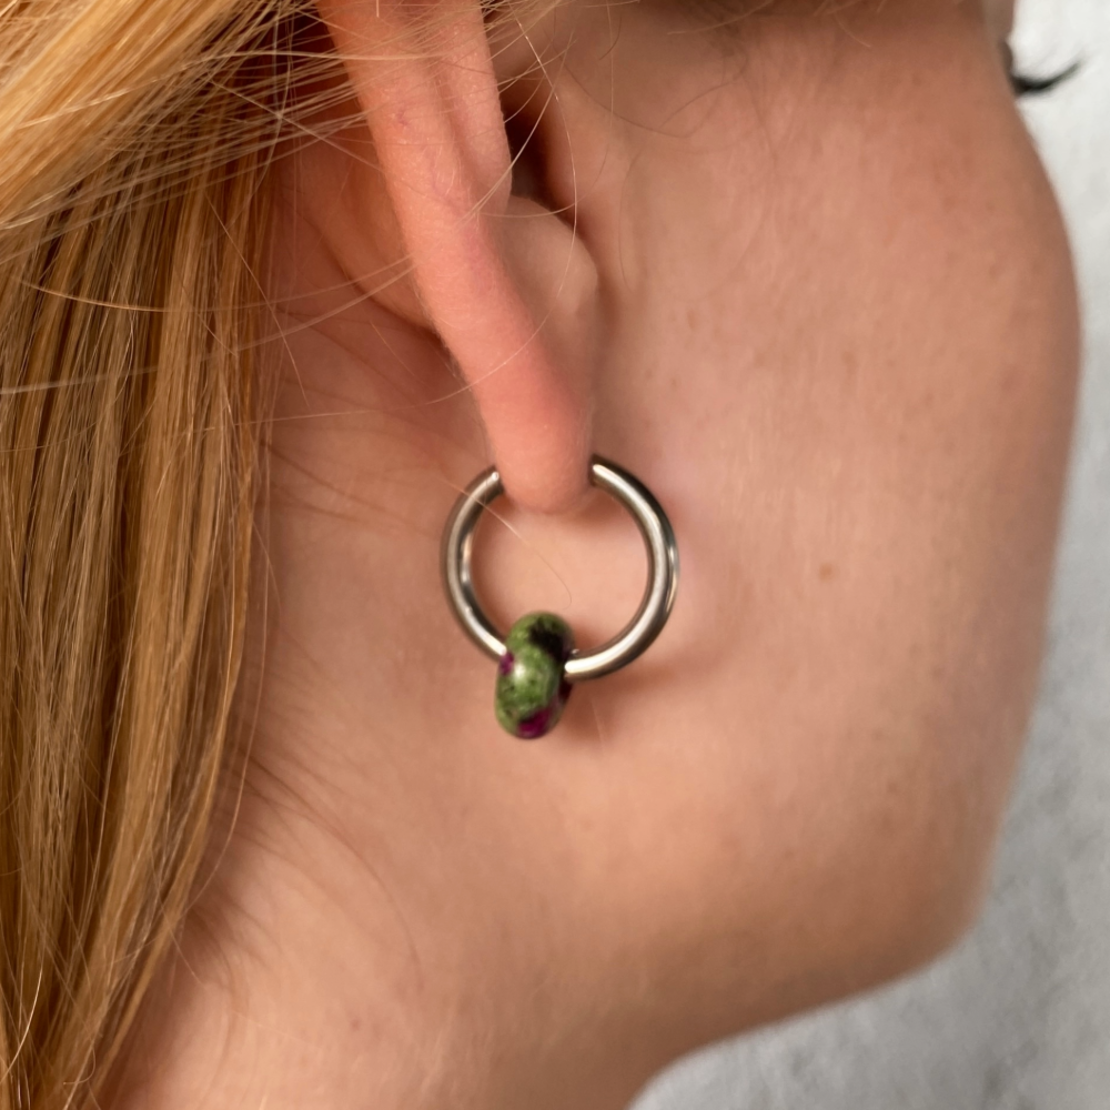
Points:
(528, 121)
(529, 163)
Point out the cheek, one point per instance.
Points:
(1000, 17)
(866, 432)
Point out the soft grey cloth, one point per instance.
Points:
(1018, 1017)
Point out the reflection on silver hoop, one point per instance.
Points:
(655, 607)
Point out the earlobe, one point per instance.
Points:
(506, 284)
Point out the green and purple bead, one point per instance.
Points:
(532, 686)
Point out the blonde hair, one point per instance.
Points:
(138, 136)
(133, 207)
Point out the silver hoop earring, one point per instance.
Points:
(537, 663)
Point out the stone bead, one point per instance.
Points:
(532, 687)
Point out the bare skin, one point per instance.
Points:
(805, 278)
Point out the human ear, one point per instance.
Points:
(504, 282)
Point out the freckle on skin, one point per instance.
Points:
(826, 572)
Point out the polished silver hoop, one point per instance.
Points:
(658, 599)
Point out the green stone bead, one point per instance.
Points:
(532, 686)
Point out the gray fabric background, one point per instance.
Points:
(1018, 1017)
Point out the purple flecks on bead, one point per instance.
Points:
(505, 664)
(532, 728)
